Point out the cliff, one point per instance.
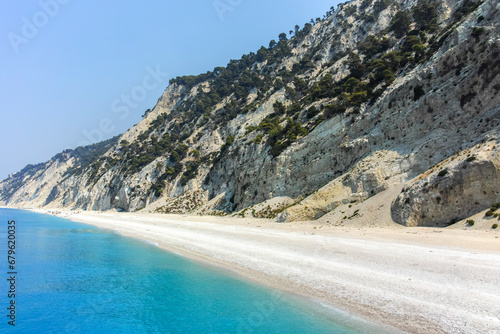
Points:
(375, 96)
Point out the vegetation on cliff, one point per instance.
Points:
(339, 70)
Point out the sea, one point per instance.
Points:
(59, 276)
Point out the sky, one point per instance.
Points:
(74, 72)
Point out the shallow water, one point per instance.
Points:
(75, 278)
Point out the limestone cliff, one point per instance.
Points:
(373, 96)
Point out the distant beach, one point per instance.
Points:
(418, 280)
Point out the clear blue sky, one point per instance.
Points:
(66, 66)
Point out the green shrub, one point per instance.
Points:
(489, 213)
(311, 112)
(494, 226)
(357, 68)
(294, 108)
(279, 108)
(443, 172)
(410, 42)
(495, 207)
(389, 77)
(250, 129)
(333, 109)
(476, 32)
(470, 222)
(365, 4)
(425, 15)
(472, 158)
(468, 6)
(190, 173)
(380, 5)
(175, 156)
(372, 45)
(418, 92)
(350, 10)
(257, 139)
(400, 23)
(356, 99)
(157, 188)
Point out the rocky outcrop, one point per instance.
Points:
(453, 190)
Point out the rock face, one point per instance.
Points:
(350, 106)
(453, 190)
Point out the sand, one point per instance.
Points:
(416, 280)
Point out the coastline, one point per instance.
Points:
(416, 280)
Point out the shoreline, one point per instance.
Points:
(416, 280)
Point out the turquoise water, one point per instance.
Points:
(75, 278)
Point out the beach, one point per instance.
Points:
(416, 280)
